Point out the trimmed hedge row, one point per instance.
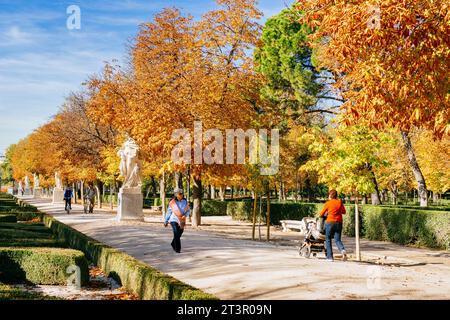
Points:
(243, 210)
(10, 293)
(32, 242)
(8, 218)
(41, 265)
(214, 208)
(404, 226)
(432, 208)
(141, 279)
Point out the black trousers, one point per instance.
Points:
(68, 202)
(177, 232)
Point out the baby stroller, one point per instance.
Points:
(314, 242)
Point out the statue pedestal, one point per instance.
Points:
(130, 206)
(58, 196)
(37, 192)
(27, 192)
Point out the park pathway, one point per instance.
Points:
(234, 268)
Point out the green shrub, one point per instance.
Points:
(291, 211)
(150, 202)
(214, 208)
(21, 234)
(41, 265)
(8, 218)
(27, 216)
(431, 208)
(31, 242)
(240, 210)
(407, 226)
(34, 227)
(10, 293)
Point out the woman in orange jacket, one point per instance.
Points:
(334, 209)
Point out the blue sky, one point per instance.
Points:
(42, 61)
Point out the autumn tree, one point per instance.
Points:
(348, 157)
(392, 58)
(184, 71)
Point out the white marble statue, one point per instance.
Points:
(20, 188)
(58, 183)
(27, 183)
(130, 165)
(36, 181)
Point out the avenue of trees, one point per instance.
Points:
(362, 106)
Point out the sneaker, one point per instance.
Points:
(344, 255)
(330, 260)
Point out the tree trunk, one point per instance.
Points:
(280, 196)
(162, 192)
(178, 179)
(103, 192)
(357, 249)
(148, 191)
(82, 191)
(435, 197)
(208, 192)
(375, 196)
(99, 200)
(421, 185)
(213, 192)
(197, 199)
(222, 193)
(255, 201)
(268, 214)
(74, 188)
(111, 195)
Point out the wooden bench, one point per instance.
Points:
(156, 208)
(292, 225)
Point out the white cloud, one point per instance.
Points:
(15, 36)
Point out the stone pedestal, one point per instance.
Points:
(37, 192)
(58, 196)
(27, 192)
(130, 204)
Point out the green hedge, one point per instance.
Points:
(27, 216)
(214, 208)
(407, 226)
(139, 278)
(32, 242)
(240, 210)
(8, 218)
(11, 293)
(432, 207)
(41, 265)
(243, 210)
(34, 227)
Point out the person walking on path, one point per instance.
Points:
(177, 213)
(333, 209)
(90, 199)
(68, 195)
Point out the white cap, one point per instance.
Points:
(178, 190)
